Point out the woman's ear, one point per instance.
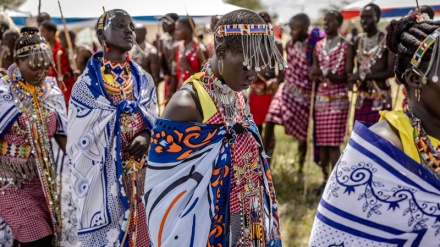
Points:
(413, 79)
(220, 51)
(101, 37)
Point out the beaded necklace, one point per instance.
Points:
(428, 154)
(226, 100)
(324, 56)
(122, 81)
(28, 98)
(368, 57)
(122, 86)
(252, 212)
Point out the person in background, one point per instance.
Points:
(146, 54)
(81, 53)
(166, 44)
(424, 9)
(62, 70)
(291, 104)
(385, 189)
(374, 67)
(7, 49)
(330, 69)
(42, 17)
(189, 55)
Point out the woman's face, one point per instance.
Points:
(331, 25)
(182, 31)
(235, 74)
(32, 74)
(120, 32)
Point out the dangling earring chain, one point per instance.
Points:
(417, 94)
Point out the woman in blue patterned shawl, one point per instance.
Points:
(111, 113)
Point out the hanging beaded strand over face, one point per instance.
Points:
(258, 42)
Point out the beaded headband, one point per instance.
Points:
(40, 53)
(255, 37)
(423, 47)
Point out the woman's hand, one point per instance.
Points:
(140, 144)
(315, 73)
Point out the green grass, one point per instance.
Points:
(296, 213)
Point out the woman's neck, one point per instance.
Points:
(332, 35)
(430, 122)
(188, 40)
(116, 56)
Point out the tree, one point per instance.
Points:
(248, 4)
(11, 4)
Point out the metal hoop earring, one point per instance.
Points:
(218, 65)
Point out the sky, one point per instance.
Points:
(288, 8)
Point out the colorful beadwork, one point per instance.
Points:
(428, 154)
(244, 29)
(423, 47)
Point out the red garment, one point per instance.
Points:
(291, 104)
(331, 103)
(191, 56)
(25, 209)
(259, 101)
(66, 70)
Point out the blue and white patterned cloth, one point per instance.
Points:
(94, 150)
(377, 196)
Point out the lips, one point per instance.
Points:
(129, 39)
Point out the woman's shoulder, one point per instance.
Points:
(182, 106)
(388, 132)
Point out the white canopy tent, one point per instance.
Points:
(83, 13)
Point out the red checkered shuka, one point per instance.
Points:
(291, 104)
(25, 209)
(244, 143)
(331, 103)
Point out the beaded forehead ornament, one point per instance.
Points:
(259, 48)
(42, 53)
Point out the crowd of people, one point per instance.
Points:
(86, 159)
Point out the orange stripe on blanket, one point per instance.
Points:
(162, 224)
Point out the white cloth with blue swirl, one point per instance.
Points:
(377, 196)
(94, 149)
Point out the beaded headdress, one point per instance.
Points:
(258, 44)
(431, 40)
(41, 52)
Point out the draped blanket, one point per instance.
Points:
(377, 196)
(188, 185)
(95, 152)
(9, 113)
